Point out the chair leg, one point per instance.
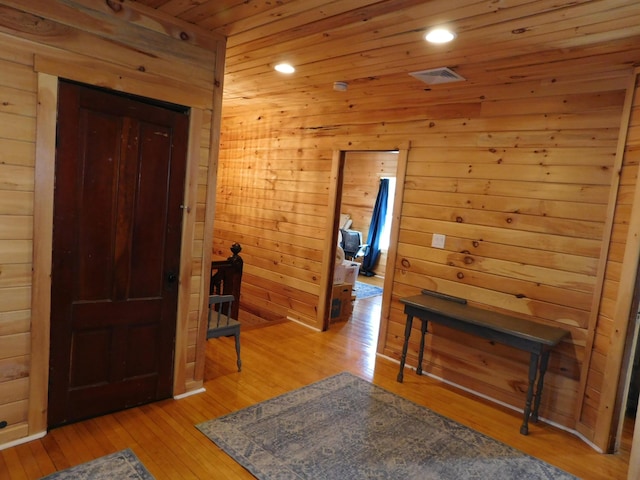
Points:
(237, 336)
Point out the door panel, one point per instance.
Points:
(120, 171)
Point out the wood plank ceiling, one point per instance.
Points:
(374, 45)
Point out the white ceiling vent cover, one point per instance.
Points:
(437, 75)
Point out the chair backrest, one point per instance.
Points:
(226, 277)
(351, 241)
(220, 310)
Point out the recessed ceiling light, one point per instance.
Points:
(284, 68)
(439, 35)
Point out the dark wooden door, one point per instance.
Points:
(120, 172)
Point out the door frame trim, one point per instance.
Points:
(46, 125)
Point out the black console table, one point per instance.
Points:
(453, 312)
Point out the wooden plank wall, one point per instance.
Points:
(273, 201)
(17, 161)
(131, 49)
(613, 331)
(522, 229)
(362, 174)
(517, 177)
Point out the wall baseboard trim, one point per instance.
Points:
(493, 400)
(303, 324)
(22, 440)
(188, 394)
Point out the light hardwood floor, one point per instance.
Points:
(277, 359)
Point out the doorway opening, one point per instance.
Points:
(363, 232)
(629, 387)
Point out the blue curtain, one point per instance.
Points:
(375, 229)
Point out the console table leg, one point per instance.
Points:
(403, 358)
(544, 361)
(533, 369)
(423, 332)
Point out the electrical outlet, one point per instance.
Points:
(438, 240)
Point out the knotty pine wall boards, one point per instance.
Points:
(132, 49)
(528, 184)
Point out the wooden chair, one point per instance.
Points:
(226, 277)
(221, 323)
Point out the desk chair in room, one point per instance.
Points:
(221, 324)
(352, 244)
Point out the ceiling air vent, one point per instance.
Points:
(437, 75)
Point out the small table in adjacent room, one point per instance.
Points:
(453, 312)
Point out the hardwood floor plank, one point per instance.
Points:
(58, 449)
(110, 428)
(92, 444)
(179, 439)
(13, 465)
(32, 468)
(4, 467)
(92, 429)
(152, 447)
(40, 457)
(277, 359)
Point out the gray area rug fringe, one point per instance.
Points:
(344, 427)
(120, 465)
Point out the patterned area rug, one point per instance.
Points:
(344, 427)
(364, 290)
(120, 465)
